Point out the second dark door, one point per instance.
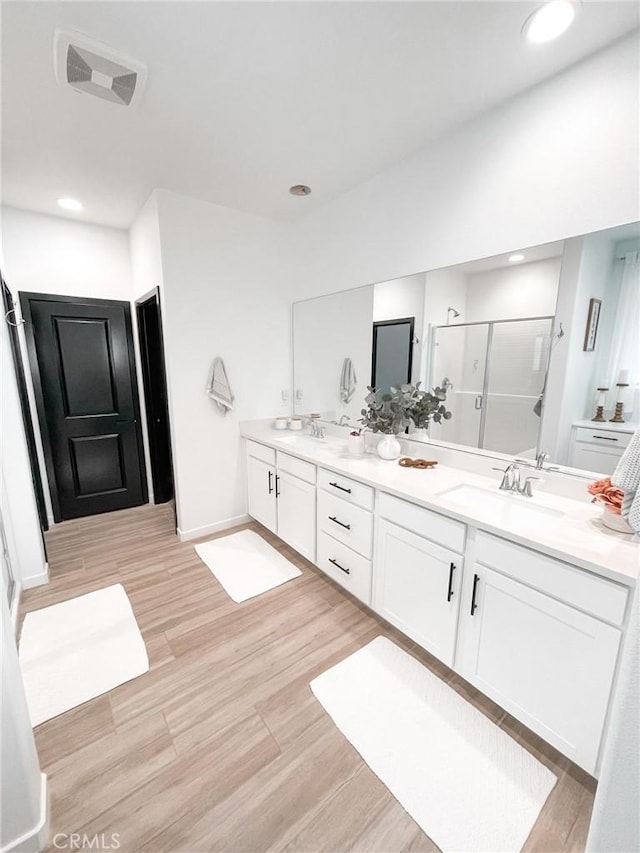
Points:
(82, 362)
(155, 396)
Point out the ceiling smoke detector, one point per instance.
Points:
(95, 69)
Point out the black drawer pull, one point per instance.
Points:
(452, 568)
(342, 488)
(277, 485)
(335, 521)
(604, 438)
(337, 565)
(474, 606)
(270, 481)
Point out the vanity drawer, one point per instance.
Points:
(603, 437)
(343, 565)
(577, 587)
(349, 490)
(297, 468)
(438, 528)
(261, 451)
(347, 523)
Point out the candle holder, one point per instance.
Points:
(617, 416)
(599, 417)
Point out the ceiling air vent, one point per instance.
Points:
(95, 69)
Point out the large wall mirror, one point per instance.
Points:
(538, 350)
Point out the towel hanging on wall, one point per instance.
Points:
(348, 381)
(218, 387)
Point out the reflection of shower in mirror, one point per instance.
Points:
(451, 311)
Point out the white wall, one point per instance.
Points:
(511, 293)
(228, 290)
(325, 332)
(49, 254)
(18, 502)
(560, 160)
(21, 804)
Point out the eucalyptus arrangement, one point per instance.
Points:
(422, 407)
(385, 414)
(390, 414)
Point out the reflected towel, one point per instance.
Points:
(627, 477)
(218, 387)
(348, 381)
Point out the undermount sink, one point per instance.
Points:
(503, 506)
(307, 442)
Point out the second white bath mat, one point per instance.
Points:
(468, 785)
(245, 564)
(78, 649)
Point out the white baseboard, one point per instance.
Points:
(36, 580)
(36, 838)
(197, 532)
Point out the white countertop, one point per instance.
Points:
(577, 537)
(607, 425)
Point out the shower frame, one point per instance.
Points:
(487, 364)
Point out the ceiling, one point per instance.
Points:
(244, 99)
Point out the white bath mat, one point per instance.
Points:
(245, 564)
(467, 784)
(78, 649)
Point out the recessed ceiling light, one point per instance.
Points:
(70, 204)
(515, 259)
(549, 21)
(300, 189)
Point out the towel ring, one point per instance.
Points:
(18, 320)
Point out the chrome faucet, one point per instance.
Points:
(541, 459)
(344, 420)
(511, 481)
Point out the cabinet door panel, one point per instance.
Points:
(262, 495)
(297, 514)
(548, 664)
(416, 588)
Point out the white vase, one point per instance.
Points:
(389, 447)
(615, 522)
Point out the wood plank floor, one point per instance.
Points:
(221, 746)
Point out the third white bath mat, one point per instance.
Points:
(467, 784)
(245, 564)
(78, 649)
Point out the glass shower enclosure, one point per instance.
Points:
(494, 374)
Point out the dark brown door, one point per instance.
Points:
(82, 362)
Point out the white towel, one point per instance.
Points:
(627, 477)
(348, 381)
(218, 387)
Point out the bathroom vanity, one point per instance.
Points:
(527, 599)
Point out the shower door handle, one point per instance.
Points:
(478, 402)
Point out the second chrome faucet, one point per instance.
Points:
(511, 481)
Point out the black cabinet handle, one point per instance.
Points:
(474, 606)
(270, 474)
(452, 568)
(277, 485)
(335, 521)
(604, 438)
(342, 568)
(342, 488)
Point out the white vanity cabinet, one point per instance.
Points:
(282, 496)
(418, 574)
(541, 638)
(345, 532)
(600, 447)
